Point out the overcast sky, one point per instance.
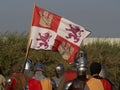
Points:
(101, 17)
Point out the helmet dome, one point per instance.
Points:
(39, 66)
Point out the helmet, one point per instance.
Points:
(39, 66)
(81, 54)
(59, 69)
(103, 72)
(81, 62)
(28, 64)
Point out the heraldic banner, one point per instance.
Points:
(52, 32)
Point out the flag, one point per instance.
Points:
(53, 32)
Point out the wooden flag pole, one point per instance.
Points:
(28, 48)
(29, 41)
(26, 57)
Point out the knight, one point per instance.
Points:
(17, 80)
(60, 76)
(28, 68)
(81, 67)
(39, 81)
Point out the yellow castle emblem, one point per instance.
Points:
(45, 19)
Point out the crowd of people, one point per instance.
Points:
(74, 79)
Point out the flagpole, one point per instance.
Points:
(29, 41)
(28, 48)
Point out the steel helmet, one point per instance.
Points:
(59, 69)
(39, 66)
(103, 72)
(28, 64)
(81, 63)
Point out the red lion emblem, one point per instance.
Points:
(44, 39)
(75, 33)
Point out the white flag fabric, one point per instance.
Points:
(52, 32)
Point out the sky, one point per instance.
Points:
(100, 17)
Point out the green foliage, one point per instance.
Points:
(106, 54)
(13, 50)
